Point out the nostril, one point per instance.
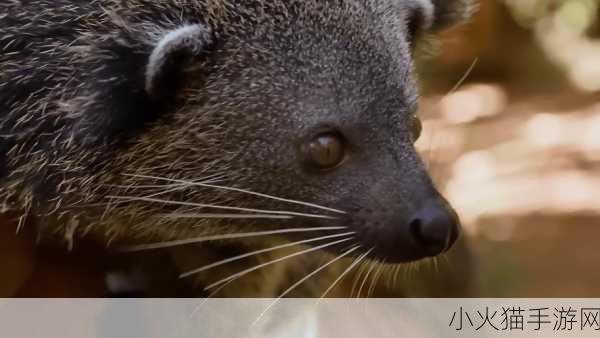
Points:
(434, 229)
(416, 230)
(432, 241)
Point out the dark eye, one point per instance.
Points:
(416, 127)
(326, 151)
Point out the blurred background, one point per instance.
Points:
(511, 116)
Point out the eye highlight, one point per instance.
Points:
(325, 151)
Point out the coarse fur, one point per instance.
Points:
(123, 120)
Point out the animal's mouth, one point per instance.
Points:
(391, 250)
(308, 227)
(430, 231)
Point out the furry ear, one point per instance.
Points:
(170, 53)
(451, 12)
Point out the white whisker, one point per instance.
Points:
(287, 200)
(355, 263)
(375, 278)
(305, 278)
(138, 187)
(206, 180)
(200, 205)
(460, 82)
(464, 77)
(177, 187)
(357, 278)
(212, 294)
(225, 216)
(167, 189)
(362, 285)
(169, 244)
(260, 266)
(257, 252)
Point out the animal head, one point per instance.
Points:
(263, 116)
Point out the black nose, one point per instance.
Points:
(434, 227)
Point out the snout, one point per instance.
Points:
(434, 228)
(427, 231)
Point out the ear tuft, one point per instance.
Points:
(174, 48)
(451, 12)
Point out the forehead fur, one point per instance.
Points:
(319, 37)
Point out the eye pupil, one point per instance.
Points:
(326, 151)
